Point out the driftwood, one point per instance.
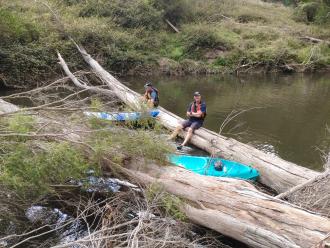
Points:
(325, 174)
(235, 208)
(314, 40)
(276, 173)
(172, 26)
(303, 185)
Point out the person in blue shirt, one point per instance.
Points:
(151, 95)
(196, 113)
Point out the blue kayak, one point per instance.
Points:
(124, 116)
(205, 166)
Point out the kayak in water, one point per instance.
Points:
(214, 166)
(123, 116)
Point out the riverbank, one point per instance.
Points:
(133, 38)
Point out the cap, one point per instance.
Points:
(147, 84)
(197, 93)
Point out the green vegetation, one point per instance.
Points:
(30, 164)
(171, 204)
(29, 170)
(133, 37)
(117, 143)
(31, 161)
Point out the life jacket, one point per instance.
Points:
(157, 94)
(195, 107)
(156, 100)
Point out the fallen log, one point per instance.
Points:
(236, 209)
(276, 173)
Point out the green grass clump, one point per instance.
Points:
(133, 143)
(21, 123)
(171, 204)
(30, 170)
(14, 28)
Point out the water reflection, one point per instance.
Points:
(290, 120)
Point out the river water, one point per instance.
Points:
(288, 117)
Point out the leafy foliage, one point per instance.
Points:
(30, 170)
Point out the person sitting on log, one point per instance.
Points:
(151, 95)
(196, 113)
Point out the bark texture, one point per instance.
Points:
(237, 209)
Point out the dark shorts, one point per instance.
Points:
(193, 124)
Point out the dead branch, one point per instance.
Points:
(314, 40)
(79, 83)
(303, 185)
(172, 26)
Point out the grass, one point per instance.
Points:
(132, 37)
(115, 143)
(170, 204)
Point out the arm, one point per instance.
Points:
(189, 113)
(198, 114)
(201, 112)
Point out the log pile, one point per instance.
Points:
(235, 208)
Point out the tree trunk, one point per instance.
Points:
(236, 209)
(276, 173)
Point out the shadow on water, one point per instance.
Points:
(290, 119)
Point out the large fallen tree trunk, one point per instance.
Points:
(276, 173)
(235, 208)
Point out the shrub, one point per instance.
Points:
(307, 12)
(202, 37)
(14, 28)
(30, 170)
(21, 123)
(175, 11)
(128, 14)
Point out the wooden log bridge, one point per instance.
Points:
(275, 172)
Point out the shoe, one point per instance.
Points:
(179, 147)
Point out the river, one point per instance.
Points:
(288, 117)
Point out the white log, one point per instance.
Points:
(276, 173)
(236, 209)
(6, 107)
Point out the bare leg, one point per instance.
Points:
(189, 135)
(175, 132)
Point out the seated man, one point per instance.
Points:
(196, 113)
(151, 95)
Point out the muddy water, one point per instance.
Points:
(289, 112)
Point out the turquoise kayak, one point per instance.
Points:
(123, 116)
(205, 166)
